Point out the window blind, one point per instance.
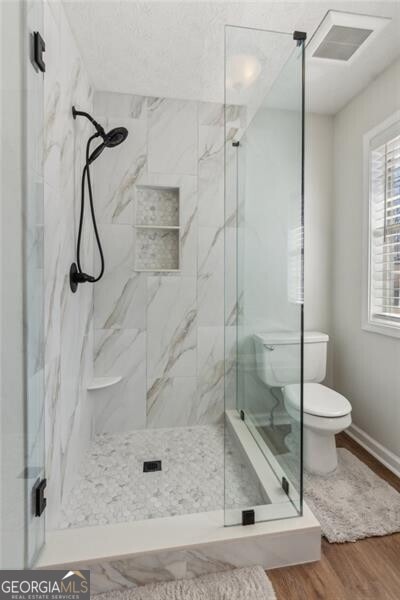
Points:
(384, 301)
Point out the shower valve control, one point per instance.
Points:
(76, 277)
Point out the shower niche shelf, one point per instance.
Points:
(157, 229)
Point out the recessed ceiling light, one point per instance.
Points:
(341, 34)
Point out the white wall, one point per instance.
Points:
(366, 365)
(318, 227)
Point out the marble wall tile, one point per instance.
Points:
(68, 317)
(172, 136)
(121, 353)
(186, 152)
(189, 225)
(210, 374)
(210, 276)
(54, 266)
(125, 106)
(211, 176)
(118, 247)
(53, 438)
(33, 265)
(120, 296)
(230, 275)
(171, 342)
(172, 402)
(211, 113)
(118, 170)
(230, 399)
(120, 300)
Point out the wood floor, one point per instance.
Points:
(364, 570)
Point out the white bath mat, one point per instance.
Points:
(352, 503)
(240, 584)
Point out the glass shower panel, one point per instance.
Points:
(22, 461)
(12, 448)
(264, 272)
(33, 290)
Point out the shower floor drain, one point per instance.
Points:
(150, 466)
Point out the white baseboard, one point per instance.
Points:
(385, 456)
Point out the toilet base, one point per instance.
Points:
(320, 455)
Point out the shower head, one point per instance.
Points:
(110, 140)
(115, 137)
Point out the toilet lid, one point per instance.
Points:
(319, 400)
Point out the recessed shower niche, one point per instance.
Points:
(157, 229)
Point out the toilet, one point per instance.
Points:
(325, 412)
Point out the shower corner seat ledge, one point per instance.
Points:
(99, 383)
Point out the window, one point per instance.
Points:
(383, 155)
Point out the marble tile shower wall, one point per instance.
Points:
(163, 332)
(68, 317)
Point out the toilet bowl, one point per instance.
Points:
(325, 413)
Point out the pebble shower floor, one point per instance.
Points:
(112, 487)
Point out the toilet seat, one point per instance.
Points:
(319, 400)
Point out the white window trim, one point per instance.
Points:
(367, 324)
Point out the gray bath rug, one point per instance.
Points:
(240, 584)
(352, 503)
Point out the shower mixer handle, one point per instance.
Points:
(83, 278)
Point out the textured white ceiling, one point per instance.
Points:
(176, 48)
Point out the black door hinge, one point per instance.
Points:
(39, 499)
(39, 47)
(299, 37)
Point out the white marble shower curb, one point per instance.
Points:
(281, 542)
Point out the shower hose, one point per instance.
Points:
(86, 176)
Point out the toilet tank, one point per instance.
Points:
(278, 357)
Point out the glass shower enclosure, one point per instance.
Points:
(264, 249)
(264, 156)
(22, 448)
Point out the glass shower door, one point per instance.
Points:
(22, 452)
(264, 271)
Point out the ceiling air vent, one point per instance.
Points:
(341, 34)
(341, 42)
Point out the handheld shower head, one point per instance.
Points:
(111, 139)
(115, 137)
